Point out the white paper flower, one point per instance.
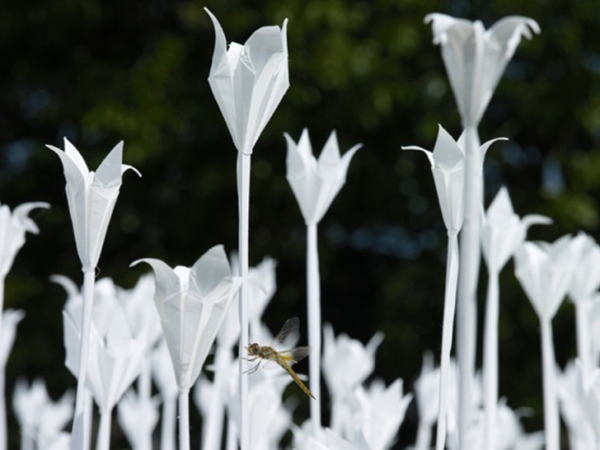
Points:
(381, 412)
(586, 279)
(192, 303)
(475, 58)
(248, 81)
(91, 197)
(315, 183)
(324, 439)
(347, 362)
(580, 405)
(503, 231)
(115, 358)
(41, 419)
(545, 272)
(448, 169)
(137, 417)
(13, 227)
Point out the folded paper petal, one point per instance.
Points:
(249, 81)
(192, 303)
(316, 183)
(91, 198)
(475, 58)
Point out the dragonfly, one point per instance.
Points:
(288, 336)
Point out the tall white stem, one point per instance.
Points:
(214, 420)
(551, 419)
(314, 323)
(447, 330)
(490, 359)
(167, 427)
(145, 393)
(103, 441)
(184, 420)
(584, 351)
(243, 177)
(467, 282)
(80, 439)
(231, 436)
(423, 441)
(3, 436)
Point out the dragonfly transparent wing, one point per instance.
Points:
(295, 355)
(288, 336)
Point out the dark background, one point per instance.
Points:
(98, 72)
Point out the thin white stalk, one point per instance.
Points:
(314, 323)
(551, 419)
(103, 442)
(423, 441)
(184, 420)
(470, 257)
(490, 359)
(3, 435)
(447, 332)
(231, 436)
(167, 427)
(81, 430)
(213, 431)
(88, 416)
(144, 385)
(243, 176)
(584, 351)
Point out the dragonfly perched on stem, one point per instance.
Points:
(288, 336)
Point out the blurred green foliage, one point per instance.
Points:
(101, 71)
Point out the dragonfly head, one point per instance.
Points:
(254, 350)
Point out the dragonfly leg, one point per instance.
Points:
(253, 369)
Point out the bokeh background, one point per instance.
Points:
(99, 72)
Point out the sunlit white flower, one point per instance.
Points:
(137, 417)
(546, 270)
(381, 412)
(9, 319)
(475, 58)
(448, 168)
(13, 227)
(503, 231)
(315, 183)
(192, 303)
(91, 197)
(579, 405)
(248, 81)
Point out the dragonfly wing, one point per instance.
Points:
(289, 334)
(295, 355)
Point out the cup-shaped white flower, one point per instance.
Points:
(475, 58)
(578, 392)
(346, 361)
(192, 303)
(115, 361)
(137, 417)
(381, 412)
(91, 197)
(248, 81)
(41, 419)
(545, 272)
(13, 226)
(447, 166)
(316, 182)
(503, 231)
